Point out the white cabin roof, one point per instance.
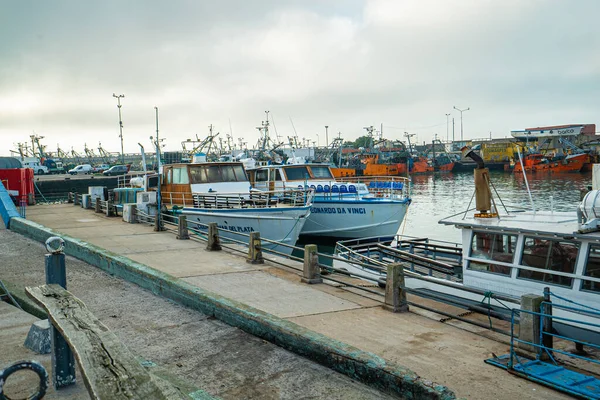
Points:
(541, 223)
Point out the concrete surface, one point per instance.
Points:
(207, 353)
(449, 355)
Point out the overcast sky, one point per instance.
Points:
(342, 63)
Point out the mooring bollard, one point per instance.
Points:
(182, 229)
(75, 199)
(63, 362)
(255, 249)
(214, 243)
(110, 209)
(70, 197)
(98, 205)
(395, 295)
(529, 324)
(311, 272)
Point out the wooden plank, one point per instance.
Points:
(109, 370)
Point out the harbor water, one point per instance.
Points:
(440, 195)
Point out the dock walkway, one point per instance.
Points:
(451, 355)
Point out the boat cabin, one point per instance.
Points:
(179, 181)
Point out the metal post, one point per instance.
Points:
(255, 249)
(214, 242)
(395, 295)
(547, 340)
(158, 189)
(447, 127)
(120, 125)
(311, 272)
(63, 362)
(182, 229)
(461, 120)
(109, 208)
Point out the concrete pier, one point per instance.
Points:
(415, 342)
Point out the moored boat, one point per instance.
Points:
(220, 193)
(503, 254)
(347, 209)
(541, 163)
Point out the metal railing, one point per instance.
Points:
(252, 199)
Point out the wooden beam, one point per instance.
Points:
(109, 370)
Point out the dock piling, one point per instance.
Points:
(182, 229)
(255, 249)
(63, 362)
(312, 272)
(395, 295)
(214, 243)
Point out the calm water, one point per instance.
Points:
(441, 195)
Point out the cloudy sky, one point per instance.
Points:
(342, 63)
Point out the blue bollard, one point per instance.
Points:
(63, 362)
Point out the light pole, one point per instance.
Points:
(120, 125)
(326, 136)
(447, 127)
(158, 191)
(318, 140)
(461, 120)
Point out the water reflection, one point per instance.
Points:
(440, 195)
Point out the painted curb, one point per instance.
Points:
(362, 366)
(8, 210)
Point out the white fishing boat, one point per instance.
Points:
(503, 255)
(341, 209)
(221, 193)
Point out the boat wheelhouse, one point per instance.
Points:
(221, 193)
(341, 209)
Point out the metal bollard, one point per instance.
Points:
(214, 243)
(311, 272)
(63, 362)
(110, 209)
(75, 199)
(254, 249)
(70, 197)
(182, 229)
(98, 206)
(395, 295)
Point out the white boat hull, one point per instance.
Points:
(281, 225)
(351, 219)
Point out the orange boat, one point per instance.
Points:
(540, 163)
(370, 166)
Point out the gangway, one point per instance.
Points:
(545, 367)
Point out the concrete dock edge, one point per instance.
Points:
(362, 366)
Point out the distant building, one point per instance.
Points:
(555, 131)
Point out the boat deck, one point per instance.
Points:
(450, 353)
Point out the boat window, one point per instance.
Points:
(180, 176)
(198, 174)
(321, 172)
(240, 173)
(262, 175)
(492, 247)
(277, 175)
(551, 255)
(227, 173)
(214, 174)
(297, 173)
(168, 177)
(592, 269)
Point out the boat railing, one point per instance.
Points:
(253, 199)
(382, 186)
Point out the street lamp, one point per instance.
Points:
(461, 120)
(447, 131)
(326, 136)
(120, 125)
